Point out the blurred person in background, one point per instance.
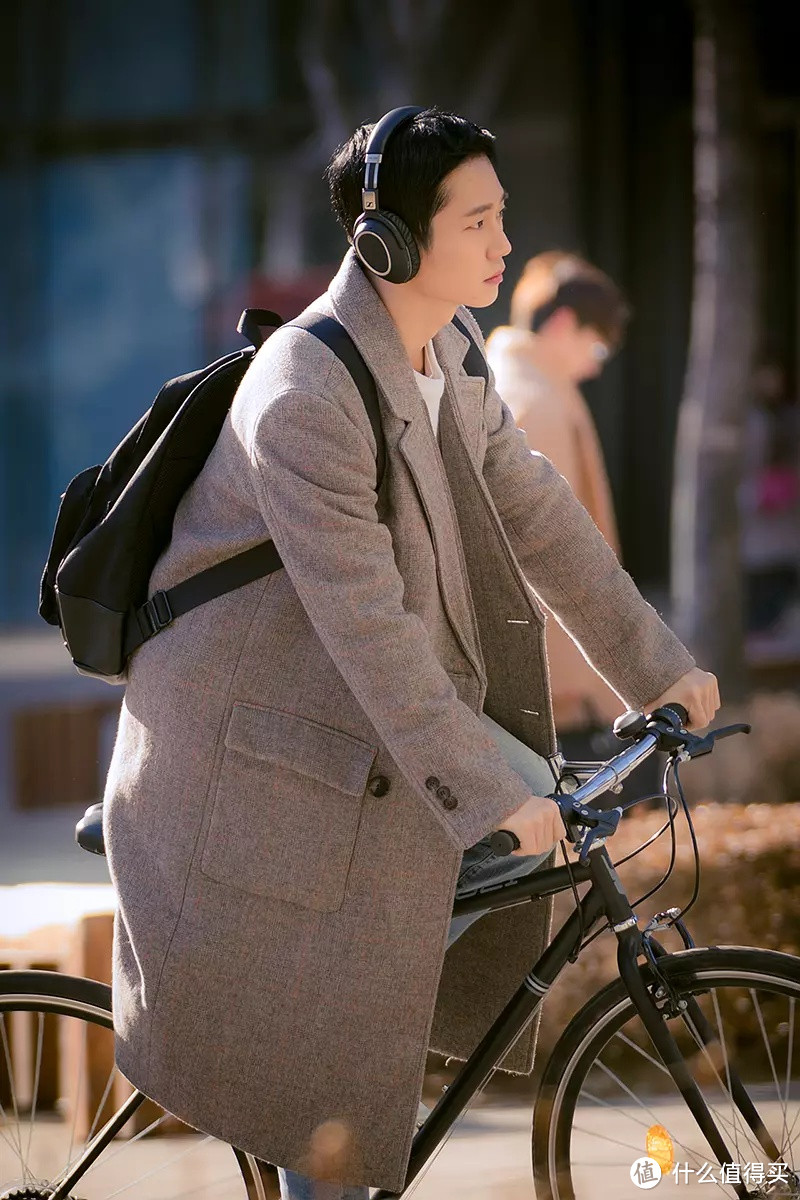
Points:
(567, 319)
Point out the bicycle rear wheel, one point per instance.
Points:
(606, 1100)
(59, 1086)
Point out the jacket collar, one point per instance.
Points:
(360, 309)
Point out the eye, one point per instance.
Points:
(479, 224)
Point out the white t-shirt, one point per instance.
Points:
(431, 384)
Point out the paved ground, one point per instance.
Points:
(488, 1156)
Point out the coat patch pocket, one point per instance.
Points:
(287, 806)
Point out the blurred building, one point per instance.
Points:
(160, 164)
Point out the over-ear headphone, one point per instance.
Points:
(381, 239)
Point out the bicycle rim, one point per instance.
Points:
(59, 1086)
(607, 1102)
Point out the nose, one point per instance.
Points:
(502, 246)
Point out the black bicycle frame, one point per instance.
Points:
(523, 1005)
(605, 898)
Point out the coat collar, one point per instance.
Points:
(360, 309)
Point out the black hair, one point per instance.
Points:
(419, 156)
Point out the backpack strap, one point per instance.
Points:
(474, 362)
(337, 339)
(164, 606)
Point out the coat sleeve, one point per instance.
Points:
(569, 564)
(314, 470)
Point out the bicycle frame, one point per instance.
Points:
(606, 897)
(524, 1004)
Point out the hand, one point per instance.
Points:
(538, 825)
(698, 692)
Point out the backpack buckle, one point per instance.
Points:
(155, 614)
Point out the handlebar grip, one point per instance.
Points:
(680, 712)
(503, 841)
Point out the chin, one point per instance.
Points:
(484, 297)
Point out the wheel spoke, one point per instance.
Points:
(41, 1140)
(159, 1167)
(13, 1090)
(102, 1104)
(78, 1089)
(732, 1126)
(785, 1143)
(734, 1052)
(721, 1036)
(655, 1119)
(639, 1050)
(36, 1077)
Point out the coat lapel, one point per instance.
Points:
(360, 309)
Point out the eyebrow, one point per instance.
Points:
(473, 212)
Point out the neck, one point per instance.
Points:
(418, 318)
(548, 359)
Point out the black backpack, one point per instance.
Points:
(115, 520)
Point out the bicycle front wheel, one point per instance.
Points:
(59, 1087)
(607, 1106)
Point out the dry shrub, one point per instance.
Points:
(750, 864)
(763, 767)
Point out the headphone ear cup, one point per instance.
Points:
(386, 246)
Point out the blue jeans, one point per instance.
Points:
(479, 866)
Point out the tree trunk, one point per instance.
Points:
(707, 589)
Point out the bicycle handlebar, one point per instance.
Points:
(665, 730)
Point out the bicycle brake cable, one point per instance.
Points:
(696, 891)
(573, 955)
(672, 809)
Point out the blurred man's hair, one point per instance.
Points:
(556, 280)
(419, 155)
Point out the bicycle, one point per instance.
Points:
(692, 1051)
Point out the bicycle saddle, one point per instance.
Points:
(89, 830)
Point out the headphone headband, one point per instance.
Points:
(375, 150)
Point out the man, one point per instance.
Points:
(567, 318)
(302, 776)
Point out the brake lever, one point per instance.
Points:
(593, 823)
(696, 747)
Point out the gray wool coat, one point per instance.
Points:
(279, 956)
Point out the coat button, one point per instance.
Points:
(378, 786)
(431, 783)
(443, 793)
(450, 802)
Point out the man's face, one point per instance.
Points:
(463, 263)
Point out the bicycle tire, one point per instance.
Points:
(692, 973)
(51, 994)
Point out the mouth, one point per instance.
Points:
(498, 278)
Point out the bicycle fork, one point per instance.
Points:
(702, 1031)
(629, 947)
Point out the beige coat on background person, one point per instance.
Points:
(557, 423)
(279, 956)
